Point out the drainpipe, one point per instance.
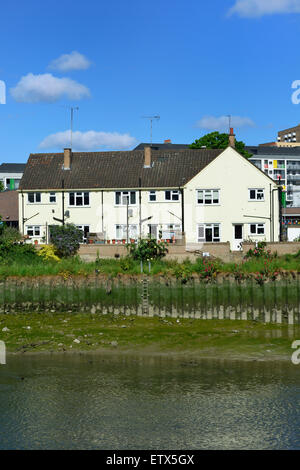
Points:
(102, 216)
(140, 206)
(271, 223)
(63, 202)
(23, 221)
(280, 214)
(182, 208)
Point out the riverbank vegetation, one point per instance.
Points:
(59, 259)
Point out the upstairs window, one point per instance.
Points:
(172, 195)
(122, 197)
(152, 196)
(256, 194)
(79, 199)
(34, 198)
(208, 196)
(52, 198)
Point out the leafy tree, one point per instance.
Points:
(66, 239)
(148, 249)
(1, 186)
(215, 140)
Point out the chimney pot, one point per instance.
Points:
(67, 159)
(147, 157)
(231, 138)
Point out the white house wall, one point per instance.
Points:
(233, 175)
(229, 172)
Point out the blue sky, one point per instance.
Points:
(190, 61)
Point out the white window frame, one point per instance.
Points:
(173, 192)
(79, 194)
(132, 229)
(208, 193)
(81, 227)
(34, 198)
(51, 195)
(123, 196)
(258, 226)
(214, 238)
(35, 228)
(256, 199)
(153, 194)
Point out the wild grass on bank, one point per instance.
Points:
(24, 262)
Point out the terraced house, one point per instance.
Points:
(200, 194)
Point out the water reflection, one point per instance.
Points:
(94, 402)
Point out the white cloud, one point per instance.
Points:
(222, 123)
(47, 88)
(89, 140)
(73, 61)
(257, 8)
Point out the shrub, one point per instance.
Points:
(48, 253)
(259, 252)
(9, 235)
(148, 249)
(207, 269)
(66, 239)
(17, 253)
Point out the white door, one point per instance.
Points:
(237, 237)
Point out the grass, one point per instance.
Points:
(36, 266)
(217, 338)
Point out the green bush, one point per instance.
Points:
(147, 250)
(66, 239)
(259, 252)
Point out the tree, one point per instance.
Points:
(215, 140)
(1, 186)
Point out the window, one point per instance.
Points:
(152, 196)
(209, 233)
(121, 232)
(172, 195)
(257, 229)
(34, 198)
(79, 199)
(256, 194)
(33, 230)
(208, 196)
(123, 196)
(52, 198)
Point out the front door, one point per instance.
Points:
(237, 237)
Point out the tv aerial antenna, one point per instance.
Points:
(151, 119)
(229, 122)
(72, 109)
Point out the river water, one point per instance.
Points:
(101, 402)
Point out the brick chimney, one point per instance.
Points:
(231, 138)
(147, 157)
(67, 159)
(168, 141)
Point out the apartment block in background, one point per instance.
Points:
(11, 174)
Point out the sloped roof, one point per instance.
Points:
(274, 151)
(164, 146)
(170, 169)
(9, 205)
(12, 167)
